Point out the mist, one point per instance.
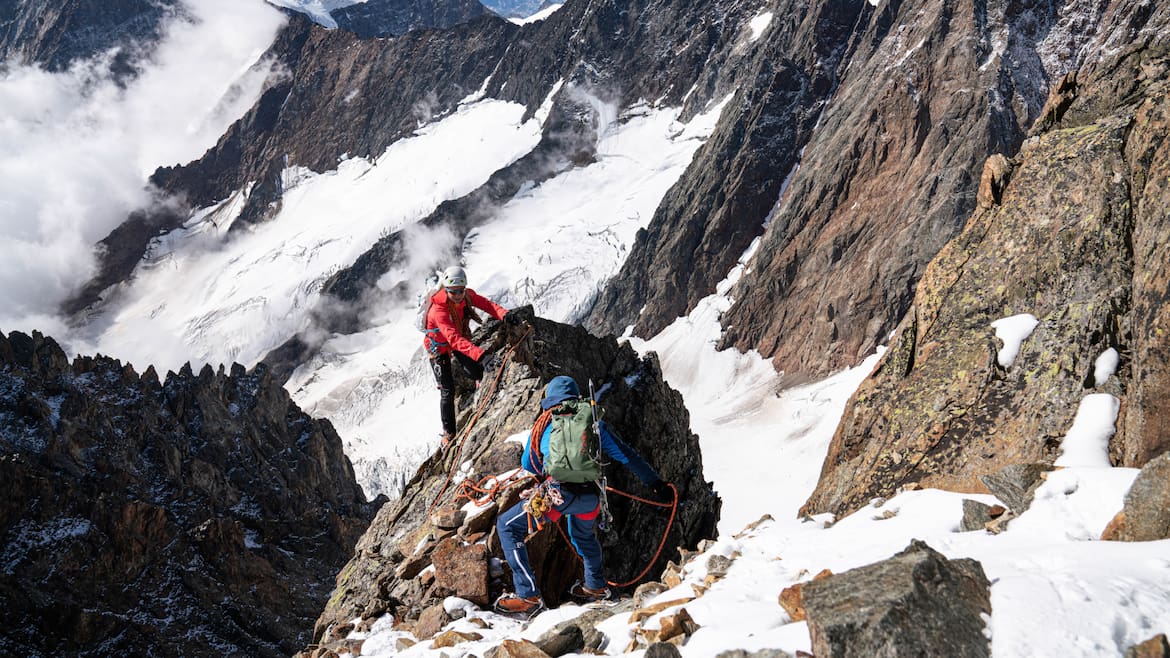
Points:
(76, 149)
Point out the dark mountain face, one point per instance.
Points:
(202, 515)
(56, 34)
(385, 18)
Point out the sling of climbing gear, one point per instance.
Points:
(462, 435)
(538, 501)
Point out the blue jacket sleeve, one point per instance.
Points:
(615, 448)
(526, 459)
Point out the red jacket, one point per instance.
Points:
(447, 323)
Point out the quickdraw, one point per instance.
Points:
(537, 502)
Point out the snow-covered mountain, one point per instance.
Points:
(853, 194)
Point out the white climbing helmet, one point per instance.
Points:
(454, 277)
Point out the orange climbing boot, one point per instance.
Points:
(512, 604)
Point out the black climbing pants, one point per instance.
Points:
(445, 378)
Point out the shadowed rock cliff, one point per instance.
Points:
(1076, 240)
(387, 573)
(203, 515)
(57, 34)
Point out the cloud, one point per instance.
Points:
(76, 149)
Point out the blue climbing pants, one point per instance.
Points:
(581, 510)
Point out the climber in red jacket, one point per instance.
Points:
(447, 333)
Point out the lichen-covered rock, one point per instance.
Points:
(643, 410)
(1071, 243)
(203, 511)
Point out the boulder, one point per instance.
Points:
(917, 603)
(461, 569)
(1146, 513)
(1016, 484)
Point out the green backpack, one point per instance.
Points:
(573, 445)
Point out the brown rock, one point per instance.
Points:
(451, 638)
(516, 649)
(1113, 530)
(792, 598)
(994, 179)
(412, 566)
(642, 614)
(431, 621)
(680, 623)
(462, 569)
(480, 523)
(448, 519)
(1155, 647)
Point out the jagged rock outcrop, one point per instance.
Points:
(721, 203)
(202, 515)
(57, 34)
(388, 18)
(921, 93)
(388, 572)
(1076, 242)
(917, 603)
(934, 89)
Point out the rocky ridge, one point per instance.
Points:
(55, 35)
(431, 524)
(203, 514)
(1067, 231)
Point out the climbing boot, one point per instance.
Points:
(585, 594)
(510, 604)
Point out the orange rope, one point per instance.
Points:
(483, 403)
(673, 505)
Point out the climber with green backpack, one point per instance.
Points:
(565, 448)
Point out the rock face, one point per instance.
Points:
(350, 96)
(205, 514)
(722, 201)
(387, 18)
(56, 34)
(388, 572)
(917, 603)
(1146, 514)
(904, 103)
(1073, 243)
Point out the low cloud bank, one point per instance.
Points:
(76, 149)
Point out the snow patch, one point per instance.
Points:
(1013, 331)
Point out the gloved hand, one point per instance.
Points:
(489, 361)
(662, 491)
(513, 318)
